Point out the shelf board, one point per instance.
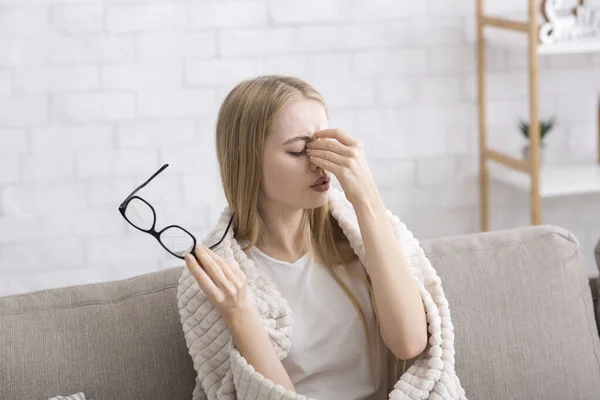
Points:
(572, 47)
(496, 37)
(555, 179)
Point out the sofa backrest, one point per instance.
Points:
(522, 309)
(112, 340)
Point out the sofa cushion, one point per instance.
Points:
(112, 340)
(522, 311)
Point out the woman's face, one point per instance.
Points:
(287, 171)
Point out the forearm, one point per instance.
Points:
(399, 304)
(253, 342)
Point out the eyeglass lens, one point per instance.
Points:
(141, 215)
(177, 241)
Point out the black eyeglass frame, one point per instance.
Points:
(152, 231)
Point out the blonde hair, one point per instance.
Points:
(243, 123)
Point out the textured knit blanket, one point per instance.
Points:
(223, 373)
(75, 396)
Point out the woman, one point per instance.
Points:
(277, 155)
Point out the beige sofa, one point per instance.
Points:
(521, 305)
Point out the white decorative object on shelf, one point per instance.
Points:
(566, 21)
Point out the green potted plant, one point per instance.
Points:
(545, 128)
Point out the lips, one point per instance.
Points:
(321, 180)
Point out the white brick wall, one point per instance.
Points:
(31, 80)
(145, 17)
(77, 18)
(96, 95)
(139, 76)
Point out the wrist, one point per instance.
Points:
(369, 204)
(237, 316)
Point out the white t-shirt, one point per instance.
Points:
(328, 358)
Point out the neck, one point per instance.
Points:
(282, 238)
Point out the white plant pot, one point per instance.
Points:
(527, 150)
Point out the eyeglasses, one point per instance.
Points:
(175, 239)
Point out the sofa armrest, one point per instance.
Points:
(594, 286)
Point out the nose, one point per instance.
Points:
(313, 166)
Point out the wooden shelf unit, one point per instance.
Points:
(545, 181)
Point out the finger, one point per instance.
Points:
(328, 155)
(212, 266)
(204, 280)
(239, 273)
(230, 282)
(338, 134)
(330, 145)
(325, 164)
(228, 271)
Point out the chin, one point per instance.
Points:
(320, 202)
(307, 202)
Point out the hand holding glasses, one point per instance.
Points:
(173, 238)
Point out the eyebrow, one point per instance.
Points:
(306, 138)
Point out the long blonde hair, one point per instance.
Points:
(243, 123)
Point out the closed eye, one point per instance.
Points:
(297, 154)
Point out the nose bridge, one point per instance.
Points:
(313, 166)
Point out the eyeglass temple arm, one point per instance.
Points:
(225, 234)
(145, 183)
